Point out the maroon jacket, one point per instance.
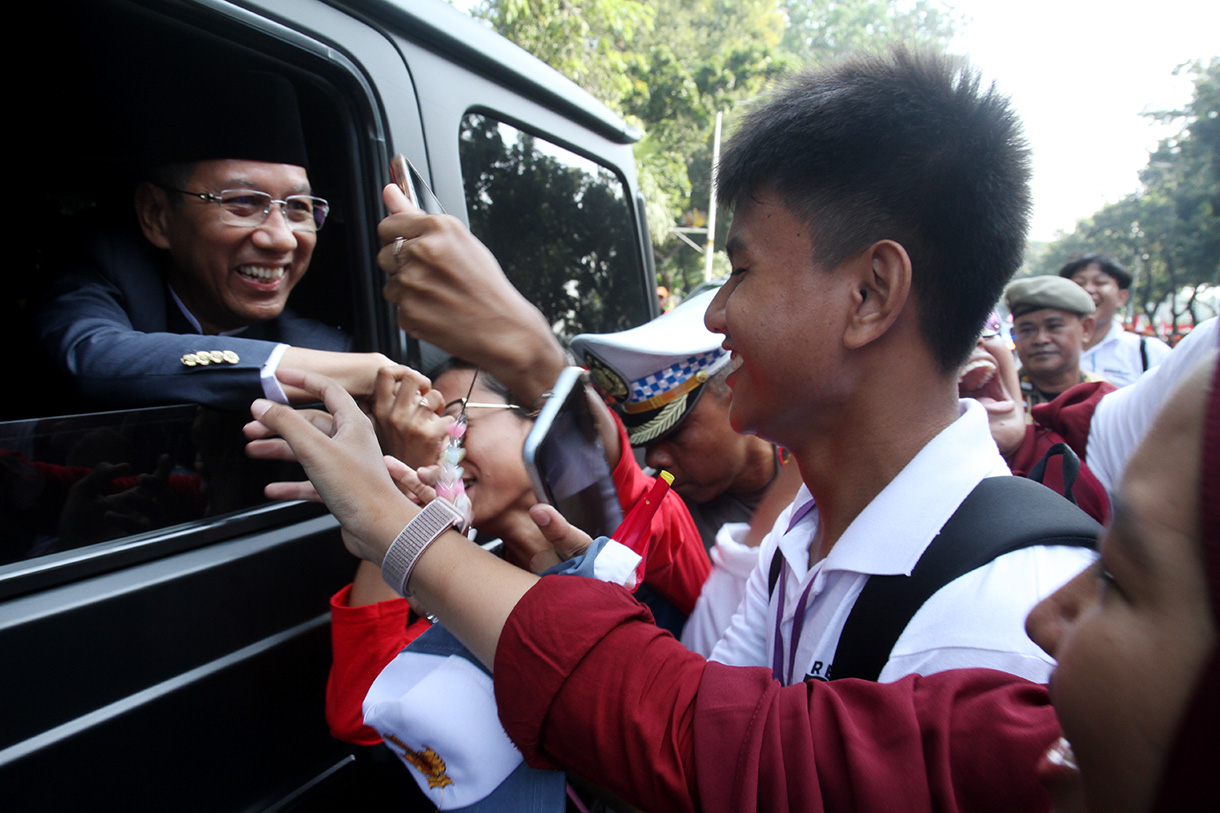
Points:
(1066, 419)
(623, 704)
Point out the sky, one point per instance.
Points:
(1080, 72)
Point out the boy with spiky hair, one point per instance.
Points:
(880, 207)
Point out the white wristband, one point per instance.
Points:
(437, 517)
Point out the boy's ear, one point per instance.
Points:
(1087, 325)
(882, 286)
(152, 211)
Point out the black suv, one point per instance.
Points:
(176, 657)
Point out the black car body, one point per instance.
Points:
(180, 662)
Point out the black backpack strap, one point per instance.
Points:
(1144, 352)
(1071, 468)
(1001, 514)
(777, 562)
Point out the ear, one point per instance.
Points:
(1123, 295)
(152, 211)
(882, 286)
(1087, 323)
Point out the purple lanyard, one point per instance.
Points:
(798, 620)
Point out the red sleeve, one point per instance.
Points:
(1071, 413)
(625, 705)
(364, 640)
(678, 564)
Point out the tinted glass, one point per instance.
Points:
(75, 480)
(76, 470)
(559, 224)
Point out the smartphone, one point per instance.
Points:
(404, 174)
(567, 461)
(400, 175)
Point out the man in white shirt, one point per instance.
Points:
(666, 379)
(880, 208)
(1112, 352)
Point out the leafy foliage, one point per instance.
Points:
(1168, 231)
(667, 66)
(820, 29)
(558, 228)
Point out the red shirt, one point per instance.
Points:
(623, 704)
(1088, 491)
(1067, 419)
(1071, 413)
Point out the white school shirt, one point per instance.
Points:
(978, 620)
(1116, 358)
(732, 563)
(1123, 417)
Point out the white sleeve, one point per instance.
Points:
(744, 642)
(272, 390)
(1156, 350)
(1124, 416)
(732, 564)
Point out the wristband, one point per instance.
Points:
(437, 517)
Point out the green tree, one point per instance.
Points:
(822, 29)
(1168, 231)
(561, 232)
(668, 66)
(592, 42)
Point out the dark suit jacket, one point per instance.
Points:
(114, 329)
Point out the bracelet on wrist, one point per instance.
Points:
(425, 528)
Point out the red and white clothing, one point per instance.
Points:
(624, 705)
(365, 639)
(888, 537)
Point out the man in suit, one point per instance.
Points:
(196, 309)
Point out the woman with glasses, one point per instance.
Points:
(371, 623)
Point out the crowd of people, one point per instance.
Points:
(847, 602)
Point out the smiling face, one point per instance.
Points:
(783, 320)
(496, 479)
(230, 276)
(990, 377)
(1107, 296)
(1049, 342)
(1132, 633)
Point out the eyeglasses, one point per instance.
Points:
(454, 408)
(250, 208)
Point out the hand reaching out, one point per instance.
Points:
(341, 458)
(407, 416)
(450, 291)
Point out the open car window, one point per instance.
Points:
(75, 472)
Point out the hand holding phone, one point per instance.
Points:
(567, 462)
(400, 174)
